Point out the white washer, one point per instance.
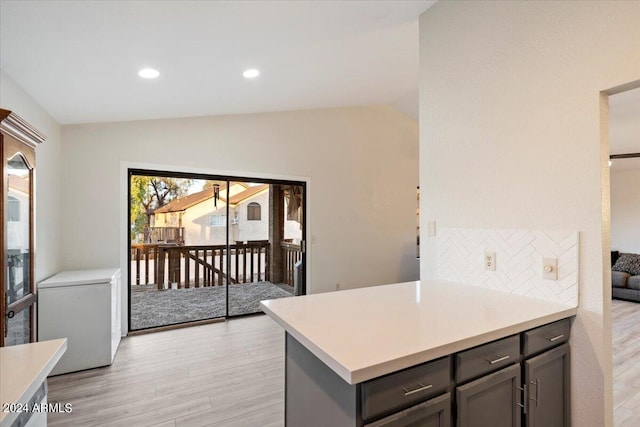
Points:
(84, 307)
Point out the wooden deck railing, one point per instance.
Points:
(160, 235)
(196, 266)
(291, 253)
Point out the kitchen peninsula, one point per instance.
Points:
(372, 356)
(24, 369)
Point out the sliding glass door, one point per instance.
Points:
(265, 244)
(206, 247)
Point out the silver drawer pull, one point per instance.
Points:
(421, 387)
(499, 359)
(556, 338)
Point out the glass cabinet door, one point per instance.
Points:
(18, 141)
(18, 293)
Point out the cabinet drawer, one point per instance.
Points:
(399, 390)
(547, 336)
(486, 358)
(432, 413)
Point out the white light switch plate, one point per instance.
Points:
(431, 228)
(550, 268)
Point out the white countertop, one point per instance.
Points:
(23, 368)
(368, 332)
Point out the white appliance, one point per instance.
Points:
(84, 307)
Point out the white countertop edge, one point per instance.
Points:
(343, 372)
(365, 374)
(375, 371)
(7, 418)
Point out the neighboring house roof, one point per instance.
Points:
(249, 192)
(186, 202)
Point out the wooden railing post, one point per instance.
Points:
(244, 264)
(187, 268)
(267, 267)
(159, 267)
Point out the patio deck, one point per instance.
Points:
(151, 307)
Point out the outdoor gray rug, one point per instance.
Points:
(159, 308)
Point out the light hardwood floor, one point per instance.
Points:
(232, 374)
(221, 374)
(625, 317)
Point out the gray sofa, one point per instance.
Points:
(625, 276)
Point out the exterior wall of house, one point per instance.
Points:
(253, 230)
(625, 210)
(514, 136)
(259, 230)
(199, 231)
(197, 228)
(47, 181)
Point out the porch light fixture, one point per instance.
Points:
(216, 194)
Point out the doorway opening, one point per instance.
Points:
(624, 176)
(206, 247)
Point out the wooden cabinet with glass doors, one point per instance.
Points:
(18, 141)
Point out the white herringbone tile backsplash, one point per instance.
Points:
(519, 256)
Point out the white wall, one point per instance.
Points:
(363, 159)
(510, 137)
(625, 210)
(48, 189)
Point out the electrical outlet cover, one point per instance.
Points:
(489, 261)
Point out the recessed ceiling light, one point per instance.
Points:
(148, 73)
(251, 73)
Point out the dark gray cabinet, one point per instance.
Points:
(547, 380)
(492, 400)
(315, 396)
(519, 380)
(534, 392)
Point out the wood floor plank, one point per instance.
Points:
(625, 319)
(219, 374)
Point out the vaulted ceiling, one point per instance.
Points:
(79, 59)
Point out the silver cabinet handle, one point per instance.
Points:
(421, 387)
(523, 405)
(537, 384)
(499, 359)
(556, 338)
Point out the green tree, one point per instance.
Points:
(149, 193)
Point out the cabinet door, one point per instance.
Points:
(492, 400)
(17, 287)
(18, 293)
(547, 378)
(432, 413)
